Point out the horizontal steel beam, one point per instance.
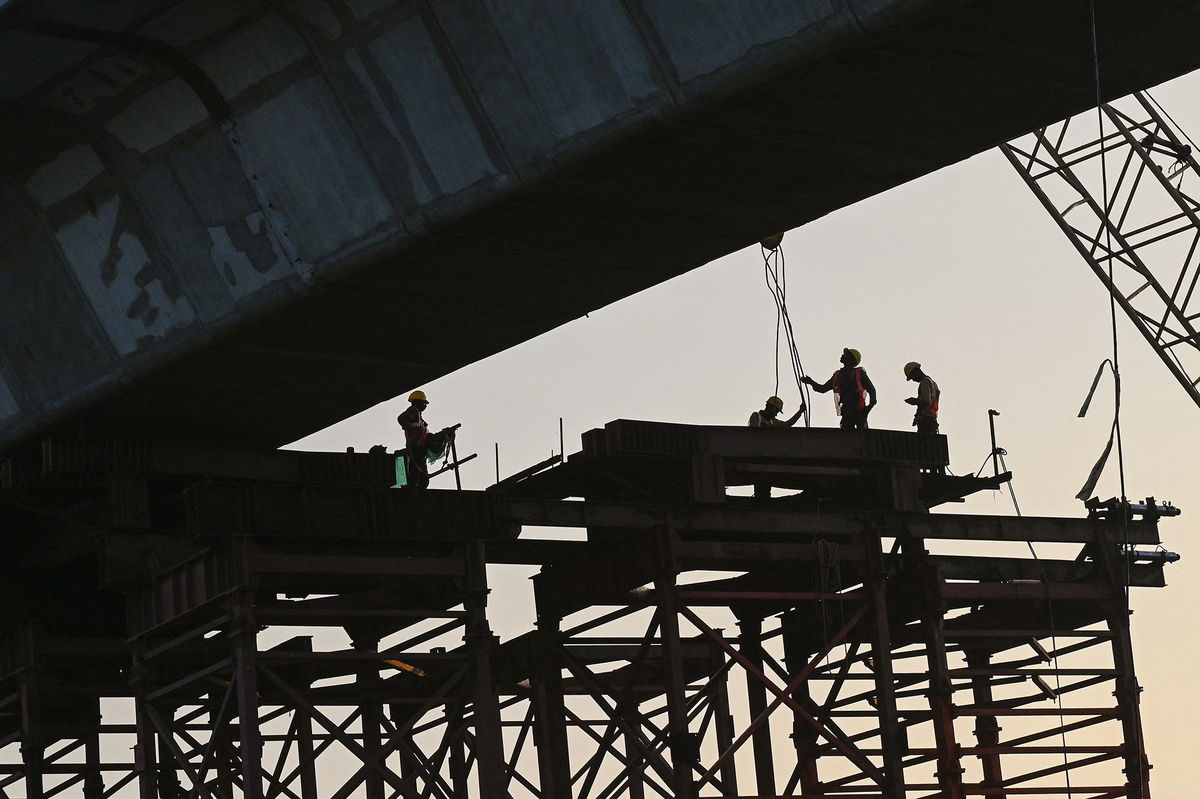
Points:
(733, 518)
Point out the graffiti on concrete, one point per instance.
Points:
(100, 80)
(133, 298)
(246, 254)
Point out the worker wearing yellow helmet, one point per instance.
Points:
(768, 417)
(416, 440)
(927, 400)
(850, 386)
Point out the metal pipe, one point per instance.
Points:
(992, 414)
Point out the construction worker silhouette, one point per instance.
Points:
(850, 386)
(927, 400)
(768, 417)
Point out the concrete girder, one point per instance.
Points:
(223, 219)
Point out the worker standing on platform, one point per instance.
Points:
(850, 386)
(927, 399)
(418, 442)
(768, 417)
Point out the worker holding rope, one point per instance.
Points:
(850, 386)
(768, 417)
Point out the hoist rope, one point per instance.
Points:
(1112, 308)
(1115, 363)
(1062, 721)
(775, 275)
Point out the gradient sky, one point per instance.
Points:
(961, 270)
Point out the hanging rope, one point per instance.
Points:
(1062, 722)
(775, 275)
(1089, 485)
(1114, 362)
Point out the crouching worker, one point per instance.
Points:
(769, 417)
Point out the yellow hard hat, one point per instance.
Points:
(417, 396)
(775, 402)
(857, 355)
(911, 367)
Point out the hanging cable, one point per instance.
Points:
(1062, 722)
(775, 275)
(1116, 363)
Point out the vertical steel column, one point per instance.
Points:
(549, 712)
(458, 764)
(804, 736)
(224, 749)
(987, 727)
(723, 718)
(891, 733)
(33, 750)
(306, 754)
(243, 632)
(635, 767)
(145, 753)
(756, 699)
(941, 691)
(1128, 695)
(679, 737)
(489, 734)
(371, 715)
(93, 780)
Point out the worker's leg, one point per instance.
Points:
(418, 469)
(926, 424)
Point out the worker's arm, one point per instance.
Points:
(869, 388)
(792, 421)
(924, 396)
(820, 388)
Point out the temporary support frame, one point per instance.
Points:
(911, 705)
(1119, 197)
(50, 694)
(330, 638)
(211, 700)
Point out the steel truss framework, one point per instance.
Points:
(1124, 198)
(688, 648)
(58, 723)
(392, 715)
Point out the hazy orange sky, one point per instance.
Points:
(961, 270)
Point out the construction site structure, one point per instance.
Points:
(187, 620)
(1121, 185)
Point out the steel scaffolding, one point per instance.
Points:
(285, 625)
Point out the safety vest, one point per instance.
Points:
(860, 396)
(416, 431)
(936, 393)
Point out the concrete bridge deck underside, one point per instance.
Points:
(236, 221)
